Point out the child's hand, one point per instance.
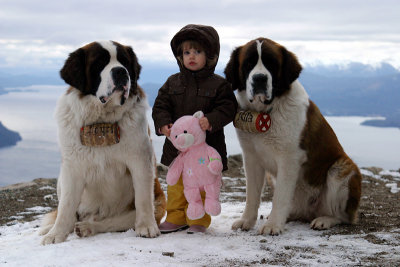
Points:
(166, 130)
(204, 124)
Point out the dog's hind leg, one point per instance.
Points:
(342, 197)
(119, 223)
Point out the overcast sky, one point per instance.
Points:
(41, 33)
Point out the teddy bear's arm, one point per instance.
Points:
(215, 165)
(175, 170)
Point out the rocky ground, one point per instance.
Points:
(379, 210)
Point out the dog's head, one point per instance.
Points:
(103, 69)
(263, 69)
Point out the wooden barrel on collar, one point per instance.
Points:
(100, 134)
(252, 121)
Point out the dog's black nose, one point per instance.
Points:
(260, 80)
(259, 84)
(120, 76)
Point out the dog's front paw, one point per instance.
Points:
(53, 238)
(244, 224)
(323, 223)
(270, 228)
(84, 229)
(147, 230)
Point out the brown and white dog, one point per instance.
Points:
(104, 188)
(314, 179)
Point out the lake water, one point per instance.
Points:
(30, 111)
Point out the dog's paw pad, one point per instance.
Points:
(323, 223)
(270, 229)
(84, 229)
(243, 224)
(52, 238)
(148, 231)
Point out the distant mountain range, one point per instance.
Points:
(10, 78)
(358, 89)
(354, 89)
(8, 137)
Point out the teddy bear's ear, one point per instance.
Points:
(199, 114)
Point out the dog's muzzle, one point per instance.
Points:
(260, 89)
(119, 82)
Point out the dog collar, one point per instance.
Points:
(100, 134)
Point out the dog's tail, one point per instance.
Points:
(48, 222)
(160, 203)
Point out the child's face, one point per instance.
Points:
(193, 59)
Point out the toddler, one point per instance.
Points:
(196, 87)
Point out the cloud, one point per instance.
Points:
(43, 32)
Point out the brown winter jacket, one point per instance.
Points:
(186, 92)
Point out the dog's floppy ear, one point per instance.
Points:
(73, 72)
(232, 69)
(136, 68)
(291, 69)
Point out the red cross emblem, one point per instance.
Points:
(263, 122)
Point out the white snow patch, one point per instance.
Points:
(393, 187)
(394, 174)
(47, 187)
(221, 246)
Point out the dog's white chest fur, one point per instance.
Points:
(287, 123)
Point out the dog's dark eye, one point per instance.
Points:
(176, 136)
(184, 131)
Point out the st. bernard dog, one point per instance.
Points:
(314, 180)
(104, 187)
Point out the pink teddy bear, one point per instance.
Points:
(199, 164)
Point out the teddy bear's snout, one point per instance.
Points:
(184, 140)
